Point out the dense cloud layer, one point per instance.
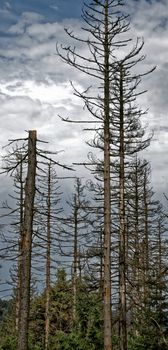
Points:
(34, 82)
(34, 85)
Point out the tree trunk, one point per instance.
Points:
(75, 257)
(26, 244)
(21, 206)
(137, 248)
(122, 262)
(48, 260)
(107, 196)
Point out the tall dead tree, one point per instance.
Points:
(122, 221)
(127, 139)
(20, 189)
(75, 253)
(47, 233)
(26, 243)
(107, 191)
(104, 22)
(48, 219)
(48, 260)
(21, 162)
(22, 221)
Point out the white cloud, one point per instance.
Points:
(34, 77)
(27, 18)
(29, 105)
(57, 95)
(35, 89)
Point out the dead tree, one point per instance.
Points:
(30, 157)
(46, 243)
(48, 261)
(127, 139)
(26, 243)
(21, 181)
(104, 23)
(11, 233)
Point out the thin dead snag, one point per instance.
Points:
(48, 260)
(122, 230)
(105, 23)
(75, 255)
(21, 209)
(26, 243)
(107, 195)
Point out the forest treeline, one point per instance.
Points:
(102, 262)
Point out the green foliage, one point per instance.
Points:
(60, 310)
(148, 330)
(61, 304)
(8, 342)
(37, 318)
(4, 305)
(73, 341)
(7, 326)
(148, 333)
(35, 345)
(146, 342)
(89, 316)
(85, 333)
(70, 341)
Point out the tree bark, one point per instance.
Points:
(48, 260)
(75, 256)
(122, 231)
(26, 244)
(107, 196)
(21, 207)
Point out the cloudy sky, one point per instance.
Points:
(34, 83)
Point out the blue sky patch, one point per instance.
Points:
(52, 10)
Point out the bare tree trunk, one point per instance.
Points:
(26, 244)
(107, 195)
(75, 257)
(137, 248)
(48, 260)
(21, 205)
(122, 241)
